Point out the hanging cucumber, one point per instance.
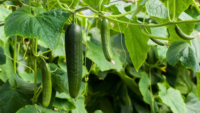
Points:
(73, 49)
(105, 39)
(153, 37)
(47, 85)
(182, 35)
(157, 42)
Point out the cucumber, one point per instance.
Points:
(73, 50)
(157, 42)
(182, 35)
(47, 85)
(105, 39)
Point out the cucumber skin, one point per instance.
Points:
(105, 39)
(180, 33)
(73, 50)
(47, 85)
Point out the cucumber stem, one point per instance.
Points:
(15, 47)
(113, 62)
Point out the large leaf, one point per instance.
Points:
(183, 82)
(136, 44)
(172, 98)
(80, 106)
(60, 80)
(182, 51)
(3, 38)
(192, 103)
(46, 26)
(36, 109)
(156, 8)
(4, 13)
(64, 104)
(180, 5)
(129, 82)
(195, 43)
(7, 71)
(147, 95)
(13, 98)
(95, 53)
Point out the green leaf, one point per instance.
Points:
(156, 8)
(60, 50)
(195, 43)
(64, 104)
(36, 109)
(2, 56)
(4, 13)
(192, 103)
(29, 77)
(80, 106)
(7, 71)
(183, 82)
(172, 98)
(118, 8)
(13, 98)
(136, 44)
(106, 106)
(93, 3)
(182, 51)
(60, 80)
(3, 38)
(46, 27)
(147, 95)
(130, 82)
(181, 6)
(162, 51)
(95, 53)
(98, 111)
(198, 84)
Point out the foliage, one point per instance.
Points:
(146, 77)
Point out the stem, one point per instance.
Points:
(196, 6)
(174, 9)
(120, 15)
(100, 2)
(38, 3)
(155, 25)
(168, 10)
(198, 84)
(151, 36)
(35, 70)
(152, 99)
(15, 47)
(44, 5)
(63, 7)
(29, 4)
(73, 18)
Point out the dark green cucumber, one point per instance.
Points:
(157, 42)
(105, 39)
(47, 85)
(152, 37)
(73, 49)
(182, 35)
